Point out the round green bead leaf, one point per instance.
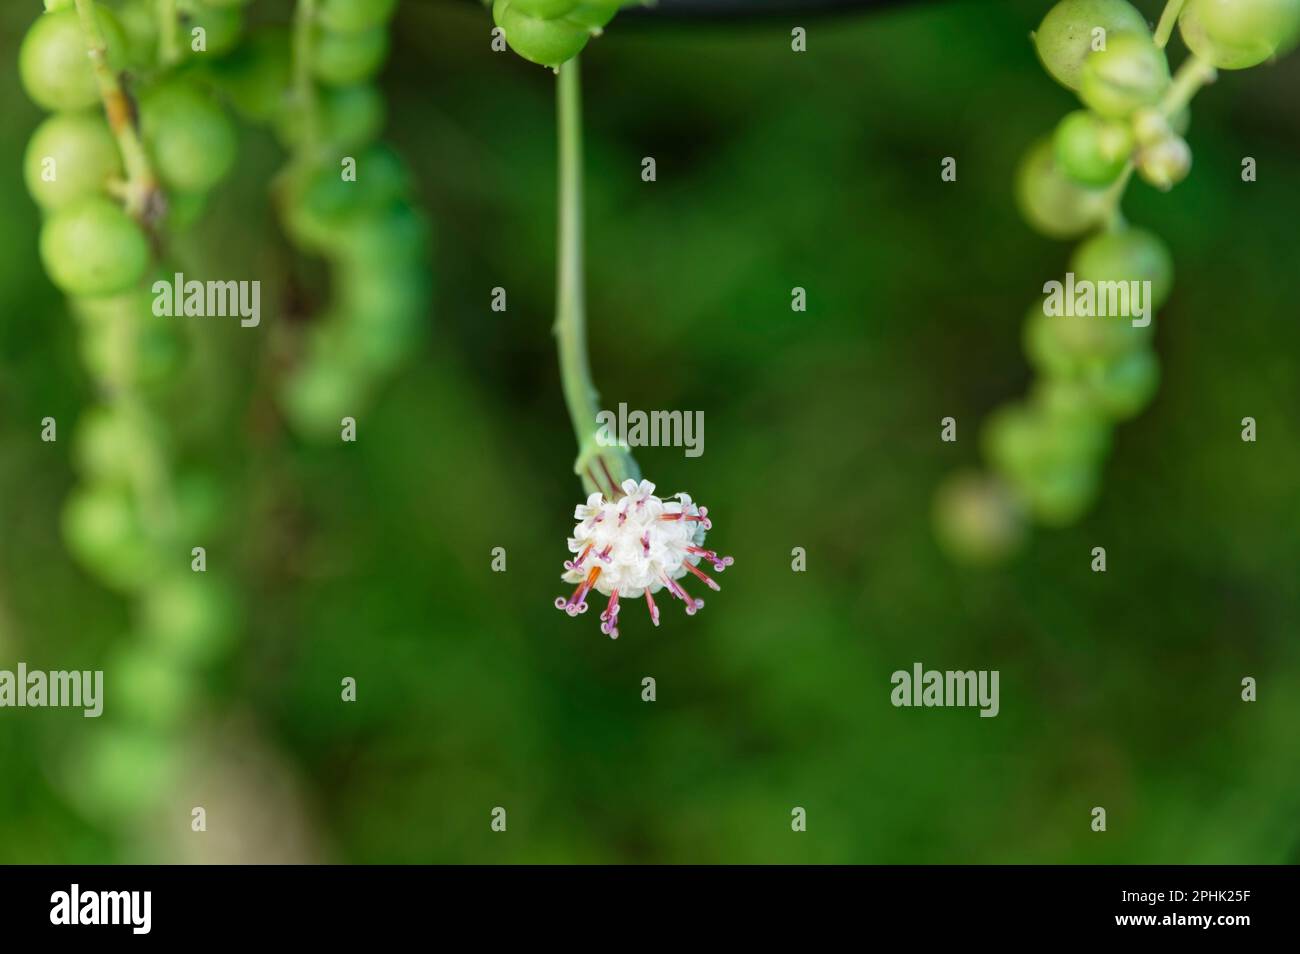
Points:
(1090, 149)
(192, 140)
(1050, 201)
(977, 520)
(1068, 33)
(1131, 72)
(70, 156)
(341, 59)
(546, 42)
(1128, 255)
(1237, 34)
(92, 247)
(54, 63)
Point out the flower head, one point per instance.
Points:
(637, 544)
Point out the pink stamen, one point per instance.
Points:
(654, 610)
(719, 563)
(709, 581)
(702, 517)
(645, 542)
(574, 564)
(577, 602)
(604, 554)
(609, 618)
(692, 605)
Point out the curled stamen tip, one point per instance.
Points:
(560, 602)
(571, 609)
(582, 607)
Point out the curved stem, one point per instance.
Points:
(1191, 76)
(570, 298)
(169, 50)
(1165, 28)
(1115, 221)
(144, 201)
(601, 467)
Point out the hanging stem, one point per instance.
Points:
(304, 88)
(1114, 221)
(169, 49)
(1165, 28)
(144, 200)
(570, 299)
(1191, 76)
(601, 467)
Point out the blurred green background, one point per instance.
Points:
(775, 169)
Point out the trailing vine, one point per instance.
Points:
(347, 198)
(1096, 364)
(132, 148)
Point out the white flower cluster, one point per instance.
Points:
(637, 545)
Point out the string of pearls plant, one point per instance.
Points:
(347, 198)
(1090, 339)
(118, 166)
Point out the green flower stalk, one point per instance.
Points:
(628, 542)
(601, 468)
(552, 33)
